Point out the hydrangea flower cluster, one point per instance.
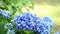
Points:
(5, 14)
(28, 21)
(46, 24)
(10, 32)
(8, 26)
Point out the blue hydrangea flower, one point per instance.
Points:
(46, 23)
(8, 26)
(28, 21)
(6, 14)
(10, 32)
(47, 20)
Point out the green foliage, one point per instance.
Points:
(15, 5)
(2, 30)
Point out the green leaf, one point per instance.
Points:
(2, 30)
